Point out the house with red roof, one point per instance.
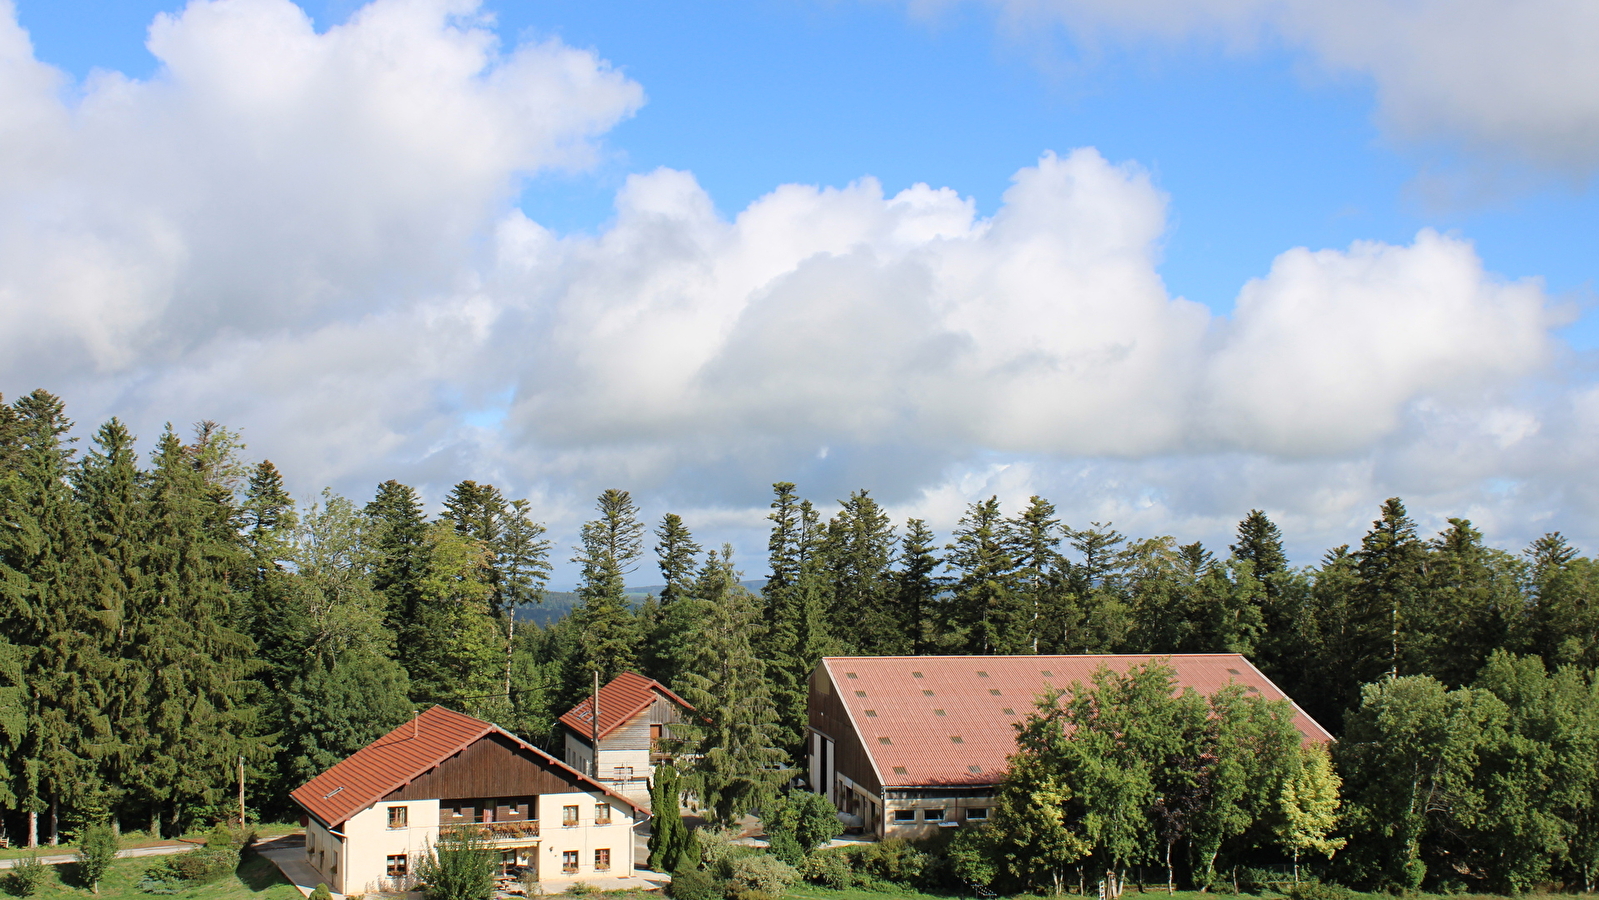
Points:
(632, 733)
(372, 818)
(910, 744)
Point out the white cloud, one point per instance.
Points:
(310, 236)
(1509, 78)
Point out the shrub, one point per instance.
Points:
(895, 861)
(830, 868)
(321, 893)
(798, 823)
(972, 856)
(760, 873)
(27, 876)
(205, 864)
(1316, 890)
(459, 867)
(692, 884)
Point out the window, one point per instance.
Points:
(994, 691)
(602, 860)
(569, 862)
(871, 714)
(904, 815)
(397, 816)
(956, 739)
(916, 674)
(656, 733)
(602, 813)
(1008, 711)
(932, 815)
(979, 814)
(850, 675)
(622, 773)
(975, 770)
(398, 866)
(569, 818)
(884, 740)
(938, 712)
(901, 770)
(1047, 673)
(860, 693)
(982, 674)
(927, 693)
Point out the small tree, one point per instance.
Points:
(799, 823)
(97, 848)
(667, 832)
(27, 876)
(459, 867)
(1310, 807)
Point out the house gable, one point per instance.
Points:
(492, 766)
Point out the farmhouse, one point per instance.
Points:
(636, 719)
(372, 817)
(911, 744)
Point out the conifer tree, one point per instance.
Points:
(731, 746)
(858, 550)
(672, 627)
(1034, 537)
(198, 719)
(916, 588)
(268, 525)
(611, 547)
(678, 557)
(796, 633)
(399, 537)
(454, 648)
(983, 603)
(1384, 606)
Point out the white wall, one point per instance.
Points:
(370, 841)
(584, 838)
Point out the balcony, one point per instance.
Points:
(496, 831)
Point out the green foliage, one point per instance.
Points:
(694, 884)
(668, 835)
(799, 822)
(972, 856)
(97, 848)
(758, 875)
(611, 547)
(321, 892)
(1317, 890)
(26, 876)
(459, 866)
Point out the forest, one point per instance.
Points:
(165, 616)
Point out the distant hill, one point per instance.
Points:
(558, 603)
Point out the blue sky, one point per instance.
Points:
(1293, 135)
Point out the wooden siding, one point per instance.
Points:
(634, 734)
(828, 716)
(491, 767)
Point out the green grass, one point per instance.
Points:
(805, 891)
(256, 879)
(265, 831)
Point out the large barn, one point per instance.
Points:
(914, 743)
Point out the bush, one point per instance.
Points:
(27, 876)
(1316, 890)
(830, 868)
(205, 864)
(692, 884)
(97, 849)
(321, 893)
(459, 867)
(895, 861)
(759, 873)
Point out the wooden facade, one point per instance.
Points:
(841, 769)
(491, 768)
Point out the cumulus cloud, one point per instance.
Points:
(1505, 78)
(313, 237)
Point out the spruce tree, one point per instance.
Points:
(671, 626)
(1034, 537)
(858, 550)
(796, 633)
(1385, 604)
(678, 556)
(454, 649)
(917, 588)
(400, 540)
(983, 605)
(733, 761)
(612, 545)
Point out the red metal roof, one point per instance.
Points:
(624, 697)
(946, 720)
(399, 757)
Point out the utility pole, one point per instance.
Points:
(595, 729)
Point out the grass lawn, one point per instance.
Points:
(265, 831)
(256, 879)
(804, 891)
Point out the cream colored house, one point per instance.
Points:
(372, 817)
(634, 732)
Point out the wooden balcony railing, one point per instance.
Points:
(496, 831)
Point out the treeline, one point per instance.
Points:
(162, 619)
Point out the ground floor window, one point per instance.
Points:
(399, 866)
(602, 860)
(904, 815)
(979, 814)
(932, 815)
(569, 861)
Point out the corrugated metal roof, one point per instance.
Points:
(399, 757)
(946, 720)
(624, 697)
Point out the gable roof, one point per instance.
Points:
(399, 757)
(627, 695)
(946, 720)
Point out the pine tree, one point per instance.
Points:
(1034, 537)
(672, 627)
(1098, 585)
(1390, 565)
(1468, 603)
(857, 551)
(731, 746)
(454, 648)
(399, 536)
(198, 719)
(612, 545)
(678, 556)
(268, 525)
(983, 602)
(796, 633)
(917, 588)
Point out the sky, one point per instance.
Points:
(1159, 261)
